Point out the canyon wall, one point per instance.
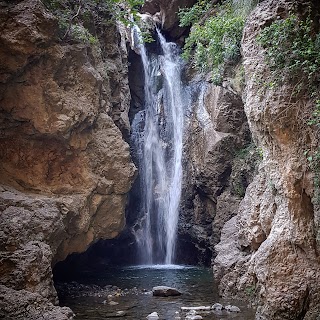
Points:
(65, 168)
(269, 250)
(221, 163)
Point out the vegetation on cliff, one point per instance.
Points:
(292, 52)
(214, 40)
(313, 156)
(77, 19)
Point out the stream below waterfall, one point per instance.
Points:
(157, 139)
(126, 292)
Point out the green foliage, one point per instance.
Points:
(250, 291)
(216, 43)
(315, 119)
(292, 51)
(239, 189)
(128, 13)
(249, 150)
(75, 17)
(245, 151)
(82, 34)
(293, 55)
(188, 16)
(313, 156)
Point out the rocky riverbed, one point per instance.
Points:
(127, 292)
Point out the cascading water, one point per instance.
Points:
(157, 134)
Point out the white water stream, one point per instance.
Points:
(157, 134)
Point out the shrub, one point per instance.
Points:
(292, 52)
(74, 15)
(216, 43)
(188, 16)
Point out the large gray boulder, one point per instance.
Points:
(163, 291)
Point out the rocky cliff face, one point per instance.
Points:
(217, 133)
(269, 249)
(65, 168)
(165, 14)
(220, 158)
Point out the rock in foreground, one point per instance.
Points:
(163, 291)
(153, 316)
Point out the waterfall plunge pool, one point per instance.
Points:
(125, 292)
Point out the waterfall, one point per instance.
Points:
(157, 133)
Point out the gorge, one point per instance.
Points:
(114, 153)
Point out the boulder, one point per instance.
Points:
(163, 291)
(231, 308)
(217, 307)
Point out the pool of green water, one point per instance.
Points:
(195, 283)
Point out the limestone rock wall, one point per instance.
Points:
(217, 130)
(65, 168)
(269, 249)
(165, 13)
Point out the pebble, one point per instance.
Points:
(217, 307)
(196, 317)
(191, 313)
(201, 308)
(113, 303)
(120, 313)
(177, 315)
(232, 308)
(153, 316)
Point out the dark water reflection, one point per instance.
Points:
(196, 283)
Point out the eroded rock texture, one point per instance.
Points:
(214, 176)
(165, 13)
(269, 249)
(65, 168)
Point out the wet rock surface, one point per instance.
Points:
(163, 291)
(75, 289)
